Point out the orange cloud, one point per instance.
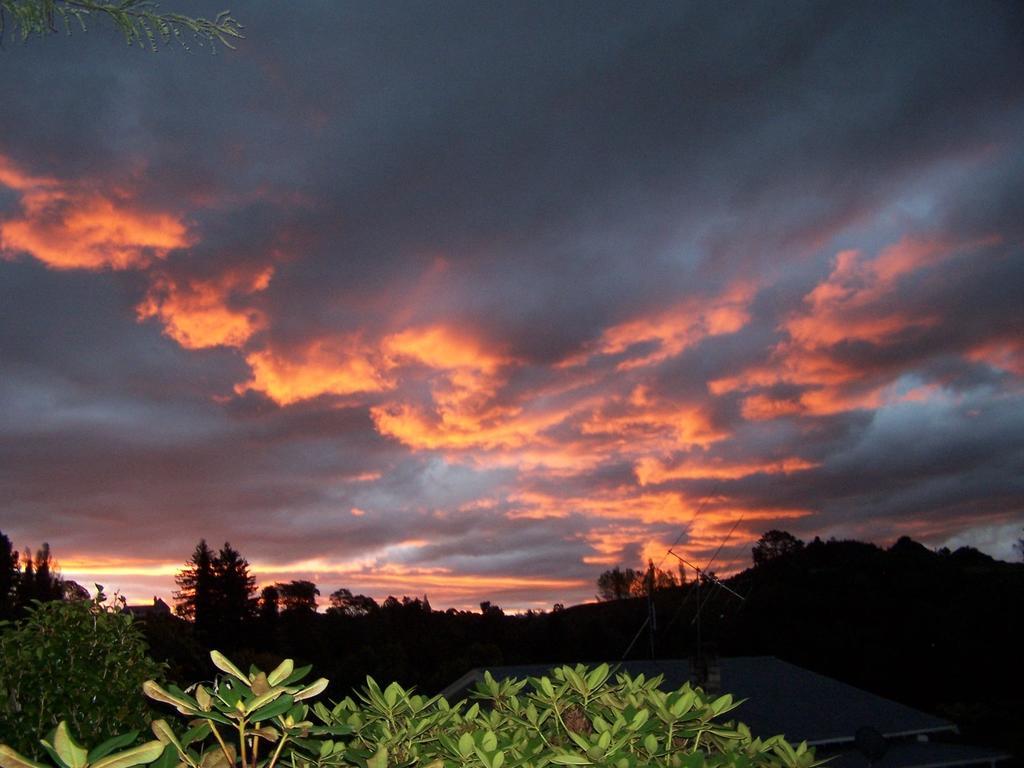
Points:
(674, 330)
(650, 470)
(612, 542)
(620, 504)
(713, 533)
(15, 178)
(1001, 354)
(70, 225)
(451, 429)
(647, 422)
(849, 304)
(198, 313)
(342, 365)
(464, 376)
(563, 426)
(441, 348)
(855, 303)
(561, 435)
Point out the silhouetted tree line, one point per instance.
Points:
(620, 583)
(28, 577)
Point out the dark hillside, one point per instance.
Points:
(937, 631)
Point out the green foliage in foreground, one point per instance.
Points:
(138, 20)
(577, 716)
(80, 661)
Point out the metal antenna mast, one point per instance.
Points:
(650, 614)
(701, 670)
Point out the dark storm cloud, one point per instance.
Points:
(506, 292)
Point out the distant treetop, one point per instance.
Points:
(774, 544)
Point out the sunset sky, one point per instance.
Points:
(478, 300)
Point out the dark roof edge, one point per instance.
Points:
(975, 761)
(951, 728)
(474, 675)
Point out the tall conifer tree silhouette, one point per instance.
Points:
(235, 591)
(195, 598)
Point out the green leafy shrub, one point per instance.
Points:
(79, 661)
(577, 716)
(68, 753)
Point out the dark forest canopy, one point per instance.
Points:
(27, 577)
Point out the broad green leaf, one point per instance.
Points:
(221, 662)
(373, 694)
(155, 692)
(281, 672)
(11, 759)
(314, 689)
(297, 675)
(379, 759)
(204, 699)
(272, 710)
(597, 676)
(682, 704)
(167, 759)
(466, 745)
(196, 733)
(721, 704)
(391, 694)
(531, 713)
(582, 742)
(229, 694)
(725, 733)
(70, 751)
(570, 759)
(575, 679)
(263, 699)
(53, 754)
(164, 733)
(639, 719)
(104, 748)
(145, 753)
(651, 743)
(489, 742)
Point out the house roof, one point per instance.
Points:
(921, 755)
(159, 607)
(781, 698)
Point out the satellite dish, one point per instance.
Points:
(871, 743)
